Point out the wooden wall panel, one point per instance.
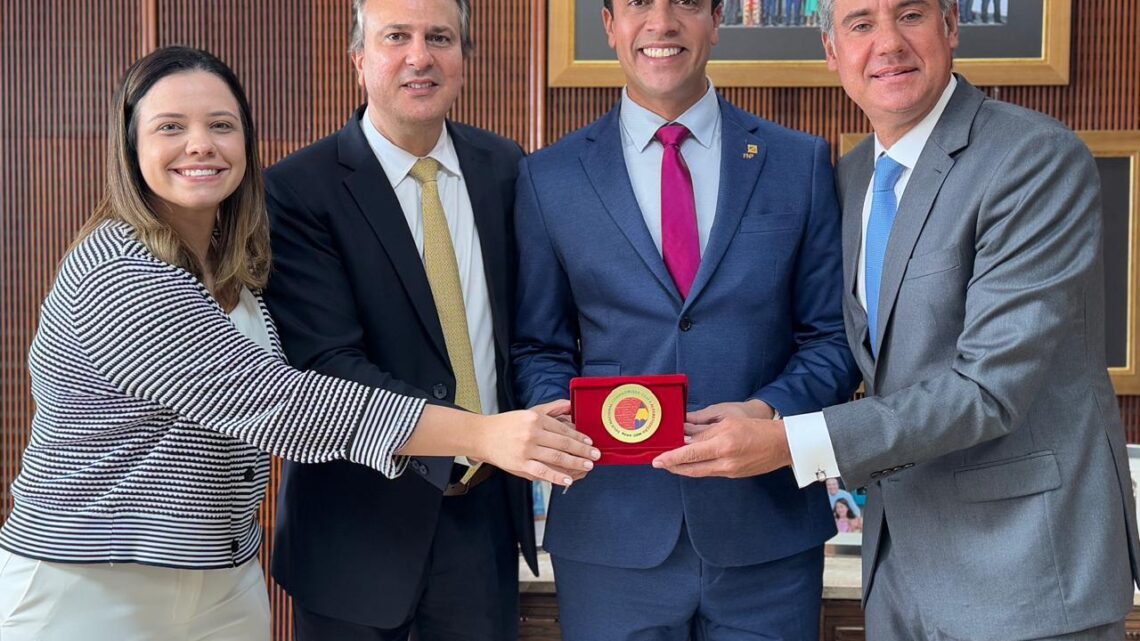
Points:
(335, 93)
(268, 45)
(61, 60)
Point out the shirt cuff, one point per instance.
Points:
(813, 457)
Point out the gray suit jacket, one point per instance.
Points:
(990, 439)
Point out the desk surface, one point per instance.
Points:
(841, 578)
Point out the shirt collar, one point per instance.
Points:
(641, 124)
(908, 148)
(397, 162)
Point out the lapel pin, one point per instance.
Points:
(751, 151)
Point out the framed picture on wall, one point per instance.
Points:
(776, 43)
(1117, 155)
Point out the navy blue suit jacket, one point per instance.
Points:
(763, 320)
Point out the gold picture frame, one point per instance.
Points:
(1124, 145)
(1050, 68)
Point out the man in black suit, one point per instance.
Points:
(357, 219)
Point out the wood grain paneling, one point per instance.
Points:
(61, 60)
(269, 46)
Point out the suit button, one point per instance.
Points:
(248, 474)
(439, 391)
(686, 324)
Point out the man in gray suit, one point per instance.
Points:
(990, 443)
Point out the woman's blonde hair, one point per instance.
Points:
(240, 250)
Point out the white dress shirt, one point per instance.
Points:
(464, 237)
(701, 150)
(246, 317)
(813, 456)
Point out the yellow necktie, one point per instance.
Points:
(443, 276)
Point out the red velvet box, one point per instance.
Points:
(631, 419)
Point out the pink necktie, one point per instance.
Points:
(680, 246)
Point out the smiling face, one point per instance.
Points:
(841, 509)
(411, 66)
(893, 58)
(190, 144)
(663, 47)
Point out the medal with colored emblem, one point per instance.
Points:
(631, 413)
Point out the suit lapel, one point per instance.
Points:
(372, 191)
(951, 134)
(489, 210)
(738, 175)
(604, 164)
(855, 177)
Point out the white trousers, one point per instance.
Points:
(45, 601)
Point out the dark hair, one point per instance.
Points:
(609, 5)
(241, 248)
(850, 512)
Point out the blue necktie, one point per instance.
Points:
(883, 208)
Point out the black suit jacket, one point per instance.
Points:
(351, 299)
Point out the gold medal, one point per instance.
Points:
(631, 413)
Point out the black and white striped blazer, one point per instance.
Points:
(154, 415)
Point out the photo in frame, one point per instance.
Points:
(1117, 155)
(776, 43)
(847, 509)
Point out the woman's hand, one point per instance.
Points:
(536, 444)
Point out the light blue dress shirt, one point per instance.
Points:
(701, 151)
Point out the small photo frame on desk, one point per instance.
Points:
(847, 509)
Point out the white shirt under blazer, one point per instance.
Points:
(397, 164)
(154, 414)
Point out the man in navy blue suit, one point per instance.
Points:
(681, 234)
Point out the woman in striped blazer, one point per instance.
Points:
(161, 391)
